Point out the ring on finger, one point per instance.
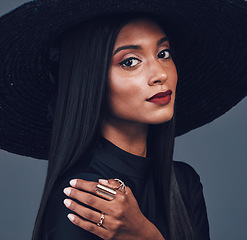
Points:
(102, 218)
(105, 192)
(122, 186)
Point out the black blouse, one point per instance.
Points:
(107, 161)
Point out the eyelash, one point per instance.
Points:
(167, 51)
(123, 63)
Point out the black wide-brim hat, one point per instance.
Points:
(209, 38)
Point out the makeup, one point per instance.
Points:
(161, 98)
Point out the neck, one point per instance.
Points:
(131, 137)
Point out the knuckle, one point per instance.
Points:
(94, 186)
(89, 200)
(121, 198)
(113, 182)
(116, 226)
(79, 184)
(88, 215)
(83, 184)
(89, 227)
(118, 213)
(128, 190)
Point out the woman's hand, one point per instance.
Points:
(121, 217)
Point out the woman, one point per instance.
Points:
(79, 121)
(140, 80)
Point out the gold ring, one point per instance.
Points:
(100, 223)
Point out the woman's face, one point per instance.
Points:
(142, 75)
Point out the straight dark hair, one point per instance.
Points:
(85, 57)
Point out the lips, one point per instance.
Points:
(161, 98)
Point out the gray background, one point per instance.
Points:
(218, 152)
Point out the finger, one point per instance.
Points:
(121, 187)
(111, 183)
(122, 196)
(105, 192)
(93, 187)
(84, 185)
(85, 212)
(111, 186)
(128, 191)
(115, 184)
(88, 199)
(88, 226)
(108, 222)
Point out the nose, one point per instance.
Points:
(158, 73)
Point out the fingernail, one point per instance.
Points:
(67, 191)
(67, 202)
(73, 182)
(71, 217)
(103, 181)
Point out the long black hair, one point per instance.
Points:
(85, 57)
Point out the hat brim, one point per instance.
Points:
(209, 38)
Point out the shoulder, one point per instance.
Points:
(56, 225)
(189, 182)
(186, 175)
(185, 169)
(192, 192)
(57, 194)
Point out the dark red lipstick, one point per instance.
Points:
(161, 98)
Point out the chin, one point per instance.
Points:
(160, 120)
(161, 117)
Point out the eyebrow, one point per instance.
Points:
(164, 39)
(137, 47)
(126, 47)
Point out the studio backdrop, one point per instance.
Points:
(217, 151)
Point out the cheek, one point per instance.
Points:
(123, 86)
(125, 95)
(123, 89)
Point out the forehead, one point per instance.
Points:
(139, 29)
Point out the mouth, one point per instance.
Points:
(161, 98)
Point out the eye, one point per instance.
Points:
(165, 54)
(129, 62)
